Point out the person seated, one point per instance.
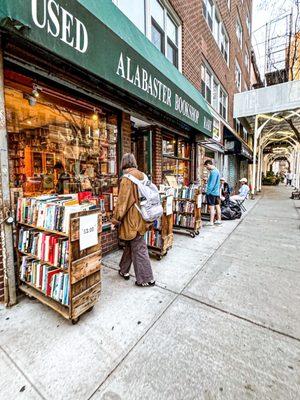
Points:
(225, 191)
(243, 191)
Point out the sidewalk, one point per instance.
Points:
(222, 323)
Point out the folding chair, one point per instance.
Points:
(241, 204)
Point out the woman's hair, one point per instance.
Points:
(128, 161)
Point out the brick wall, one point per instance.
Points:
(199, 45)
(109, 241)
(157, 156)
(126, 133)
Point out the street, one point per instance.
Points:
(223, 322)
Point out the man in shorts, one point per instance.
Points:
(213, 193)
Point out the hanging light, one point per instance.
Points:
(95, 116)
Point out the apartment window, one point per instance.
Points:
(213, 92)
(157, 22)
(247, 60)
(238, 76)
(223, 104)
(213, 19)
(239, 32)
(135, 11)
(248, 23)
(208, 9)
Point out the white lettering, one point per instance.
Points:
(53, 17)
(137, 78)
(67, 22)
(144, 80)
(80, 28)
(60, 23)
(130, 79)
(34, 12)
(121, 66)
(150, 86)
(155, 88)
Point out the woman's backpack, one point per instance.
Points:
(150, 205)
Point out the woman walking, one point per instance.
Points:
(132, 227)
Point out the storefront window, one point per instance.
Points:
(176, 159)
(60, 146)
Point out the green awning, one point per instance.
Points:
(99, 38)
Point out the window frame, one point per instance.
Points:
(214, 82)
(218, 29)
(170, 12)
(237, 68)
(239, 25)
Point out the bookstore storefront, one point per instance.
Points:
(67, 98)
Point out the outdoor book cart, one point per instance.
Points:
(164, 230)
(188, 221)
(83, 267)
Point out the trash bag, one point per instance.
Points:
(231, 211)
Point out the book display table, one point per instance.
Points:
(187, 211)
(61, 269)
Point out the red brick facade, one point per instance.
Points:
(157, 156)
(199, 45)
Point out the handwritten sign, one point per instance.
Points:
(88, 231)
(199, 201)
(169, 205)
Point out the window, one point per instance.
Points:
(208, 7)
(248, 23)
(247, 60)
(239, 32)
(135, 11)
(213, 19)
(158, 23)
(238, 76)
(213, 92)
(223, 104)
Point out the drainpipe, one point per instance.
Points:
(5, 229)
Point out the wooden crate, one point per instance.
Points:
(84, 269)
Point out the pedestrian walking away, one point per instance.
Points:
(132, 227)
(213, 193)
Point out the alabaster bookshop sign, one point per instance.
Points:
(144, 80)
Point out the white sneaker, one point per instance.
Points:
(209, 224)
(218, 223)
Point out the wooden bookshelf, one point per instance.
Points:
(166, 233)
(84, 269)
(194, 229)
(205, 215)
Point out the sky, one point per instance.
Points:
(265, 11)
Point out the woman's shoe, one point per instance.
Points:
(146, 284)
(124, 276)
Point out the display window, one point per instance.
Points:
(60, 145)
(176, 159)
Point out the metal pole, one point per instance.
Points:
(254, 155)
(258, 164)
(6, 230)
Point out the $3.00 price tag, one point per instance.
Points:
(88, 231)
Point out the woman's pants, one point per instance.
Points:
(136, 251)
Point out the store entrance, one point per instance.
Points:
(142, 146)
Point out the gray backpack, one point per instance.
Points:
(150, 206)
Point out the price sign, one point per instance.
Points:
(169, 205)
(88, 231)
(199, 201)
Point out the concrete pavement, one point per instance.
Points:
(222, 323)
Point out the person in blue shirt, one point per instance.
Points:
(213, 193)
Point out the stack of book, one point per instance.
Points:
(184, 206)
(49, 248)
(51, 281)
(157, 224)
(186, 221)
(185, 193)
(49, 212)
(153, 238)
